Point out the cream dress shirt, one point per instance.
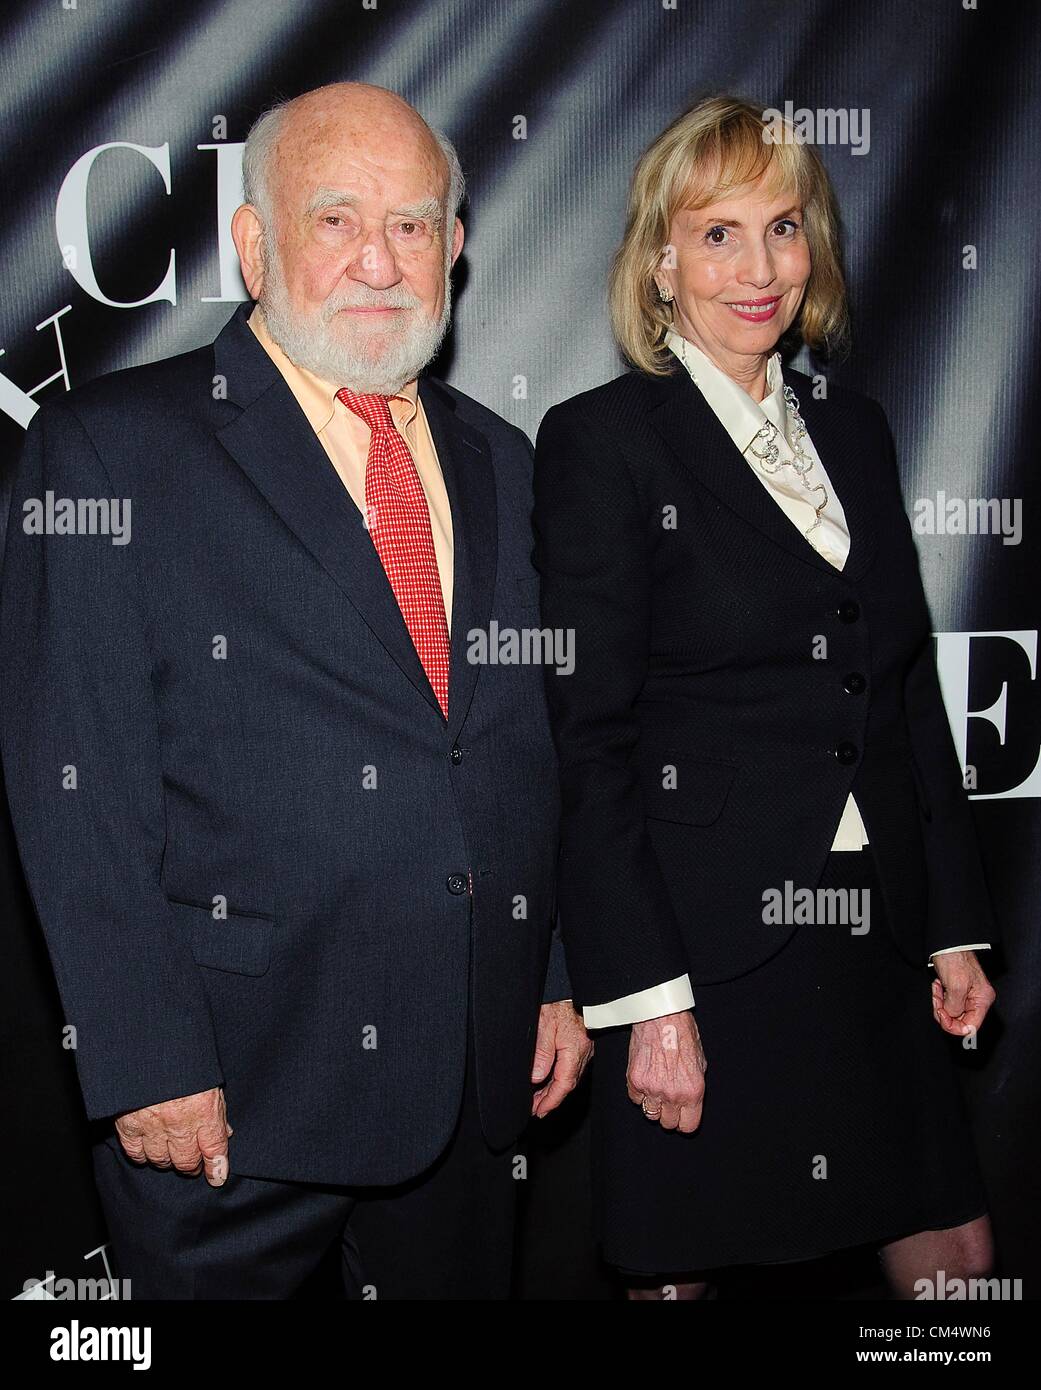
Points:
(742, 418)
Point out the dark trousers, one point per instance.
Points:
(447, 1234)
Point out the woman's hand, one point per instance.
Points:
(962, 994)
(666, 1073)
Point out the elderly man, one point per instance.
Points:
(292, 852)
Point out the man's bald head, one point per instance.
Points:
(289, 136)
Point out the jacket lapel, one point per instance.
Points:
(688, 425)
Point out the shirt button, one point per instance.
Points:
(847, 752)
(457, 883)
(854, 684)
(848, 610)
(456, 755)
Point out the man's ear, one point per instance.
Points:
(457, 240)
(247, 232)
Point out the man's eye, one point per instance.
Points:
(333, 218)
(410, 228)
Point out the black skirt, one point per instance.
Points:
(832, 1116)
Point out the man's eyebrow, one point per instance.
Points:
(328, 198)
(429, 210)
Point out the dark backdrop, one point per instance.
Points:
(549, 103)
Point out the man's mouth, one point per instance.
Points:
(755, 310)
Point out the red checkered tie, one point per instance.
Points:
(398, 519)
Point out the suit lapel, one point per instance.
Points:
(686, 422)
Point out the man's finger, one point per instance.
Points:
(542, 1064)
(552, 1095)
(133, 1146)
(186, 1154)
(216, 1165)
(157, 1150)
(566, 1071)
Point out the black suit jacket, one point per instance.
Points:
(308, 779)
(700, 615)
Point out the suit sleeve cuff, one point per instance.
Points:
(670, 998)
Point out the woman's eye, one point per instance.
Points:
(787, 227)
(716, 236)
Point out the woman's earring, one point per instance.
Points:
(665, 294)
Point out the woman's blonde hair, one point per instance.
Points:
(715, 147)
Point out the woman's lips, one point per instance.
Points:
(755, 310)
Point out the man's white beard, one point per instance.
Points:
(370, 359)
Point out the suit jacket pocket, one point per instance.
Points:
(685, 790)
(240, 943)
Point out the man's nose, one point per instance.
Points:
(374, 264)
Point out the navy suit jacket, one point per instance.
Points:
(247, 724)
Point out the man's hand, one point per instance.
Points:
(666, 1073)
(190, 1134)
(563, 1046)
(962, 994)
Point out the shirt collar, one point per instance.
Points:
(738, 413)
(316, 396)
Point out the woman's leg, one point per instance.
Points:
(962, 1252)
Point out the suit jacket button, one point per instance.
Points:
(854, 684)
(456, 755)
(848, 610)
(457, 883)
(847, 752)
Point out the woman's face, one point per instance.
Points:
(739, 272)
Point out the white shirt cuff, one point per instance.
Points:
(670, 998)
(976, 946)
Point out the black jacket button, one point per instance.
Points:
(847, 752)
(854, 684)
(456, 755)
(848, 610)
(457, 883)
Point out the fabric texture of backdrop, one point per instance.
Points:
(549, 104)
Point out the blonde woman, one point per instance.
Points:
(767, 857)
